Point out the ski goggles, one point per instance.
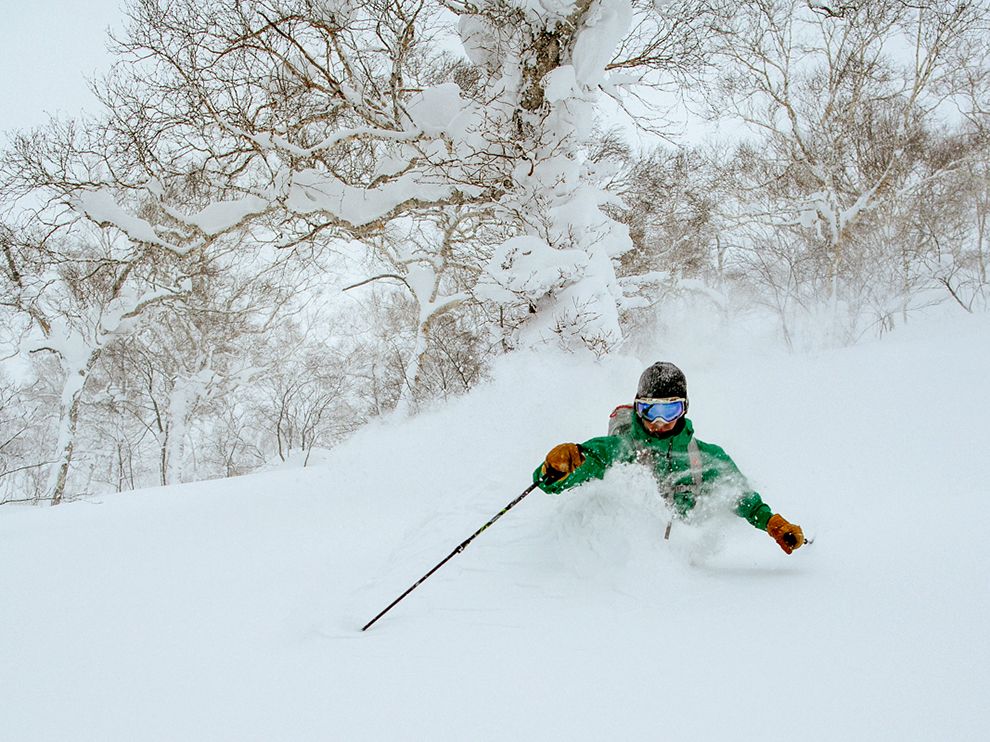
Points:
(667, 409)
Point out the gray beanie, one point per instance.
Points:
(662, 379)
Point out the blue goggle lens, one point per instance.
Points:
(666, 411)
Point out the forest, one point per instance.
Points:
(292, 217)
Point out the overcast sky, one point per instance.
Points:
(48, 48)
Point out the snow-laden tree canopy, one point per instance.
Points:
(293, 215)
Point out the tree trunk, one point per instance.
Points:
(413, 368)
(178, 414)
(75, 381)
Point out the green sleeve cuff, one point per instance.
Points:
(753, 509)
(550, 488)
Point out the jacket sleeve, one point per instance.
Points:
(721, 467)
(599, 454)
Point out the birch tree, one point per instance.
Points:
(544, 69)
(842, 98)
(87, 314)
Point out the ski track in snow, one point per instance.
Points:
(231, 610)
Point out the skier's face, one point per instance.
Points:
(659, 426)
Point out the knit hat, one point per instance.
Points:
(660, 380)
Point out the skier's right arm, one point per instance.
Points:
(571, 464)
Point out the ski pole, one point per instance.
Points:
(458, 550)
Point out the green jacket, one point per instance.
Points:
(670, 458)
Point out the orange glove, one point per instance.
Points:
(787, 535)
(562, 460)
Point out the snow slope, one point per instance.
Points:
(230, 610)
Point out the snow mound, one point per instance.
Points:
(231, 610)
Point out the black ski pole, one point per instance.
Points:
(458, 550)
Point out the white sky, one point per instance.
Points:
(48, 49)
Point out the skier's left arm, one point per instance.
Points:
(749, 504)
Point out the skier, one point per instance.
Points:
(654, 431)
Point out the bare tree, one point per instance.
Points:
(844, 100)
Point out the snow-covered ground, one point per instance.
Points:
(231, 610)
